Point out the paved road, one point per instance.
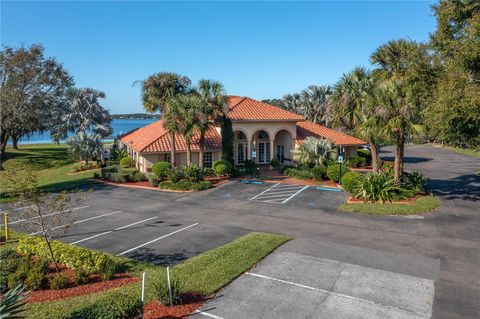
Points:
(443, 248)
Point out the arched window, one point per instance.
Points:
(262, 135)
(241, 136)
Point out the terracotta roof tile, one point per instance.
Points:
(153, 138)
(305, 129)
(247, 109)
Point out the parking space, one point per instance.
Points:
(149, 236)
(292, 285)
(279, 193)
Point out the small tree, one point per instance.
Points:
(85, 147)
(46, 215)
(315, 152)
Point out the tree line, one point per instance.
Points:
(430, 90)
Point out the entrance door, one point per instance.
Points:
(242, 151)
(280, 153)
(263, 152)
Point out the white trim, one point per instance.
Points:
(264, 191)
(295, 194)
(81, 221)
(156, 239)
(111, 231)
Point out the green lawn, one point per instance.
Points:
(50, 161)
(422, 205)
(205, 273)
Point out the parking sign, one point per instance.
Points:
(340, 159)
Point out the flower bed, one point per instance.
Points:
(190, 303)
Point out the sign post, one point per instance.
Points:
(5, 216)
(340, 160)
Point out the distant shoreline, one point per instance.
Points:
(135, 116)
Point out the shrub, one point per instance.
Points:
(175, 174)
(72, 256)
(58, 281)
(110, 306)
(414, 181)
(20, 274)
(200, 186)
(137, 176)
(222, 167)
(118, 177)
(126, 162)
(9, 262)
(193, 173)
(250, 166)
(160, 169)
(78, 167)
(185, 185)
(109, 269)
(166, 185)
(81, 276)
(350, 180)
(299, 173)
(366, 155)
(379, 187)
(35, 278)
(318, 172)
(208, 171)
(163, 294)
(239, 171)
(96, 175)
(153, 180)
(333, 172)
(356, 161)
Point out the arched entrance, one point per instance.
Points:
(283, 144)
(262, 147)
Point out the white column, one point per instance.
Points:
(249, 149)
(271, 149)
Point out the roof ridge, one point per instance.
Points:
(241, 100)
(159, 137)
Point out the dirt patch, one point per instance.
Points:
(190, 303)
(95, 285)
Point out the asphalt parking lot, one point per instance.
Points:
(322, 263)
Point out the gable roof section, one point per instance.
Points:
(247, 109)
(153, 138)
(305, 129)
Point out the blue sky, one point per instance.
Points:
(257, 49)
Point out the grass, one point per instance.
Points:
(421, 205)
(466, 151)
(205, 273)
(50, 162)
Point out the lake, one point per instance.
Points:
(119, 126)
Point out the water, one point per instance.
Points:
(119, 126)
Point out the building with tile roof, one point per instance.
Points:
(262, 132)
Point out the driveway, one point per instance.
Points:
(442, 249)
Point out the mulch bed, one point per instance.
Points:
(190, 303)
(95, 284)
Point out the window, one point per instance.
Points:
(281, 153)
(241, 136)
(241, 153)
(207, 159)
(167, 157)
(262, 135)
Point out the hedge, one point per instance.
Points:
(160, 169)
(349, 181)
(222, 167)
(333, 172)
(75, 257)
(111, 306)
(318, 172)
(185, 185)
(299, 173)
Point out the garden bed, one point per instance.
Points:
(95, 284)
(190, 303)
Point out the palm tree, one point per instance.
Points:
(314, 101)
(186, 108)
(213, 107)
(396, 107)
(392, 59)
(158, 92)
(315, 152)
(85, 146)
(83, 113)
(292, 102)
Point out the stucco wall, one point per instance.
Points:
(147, 160)
(249, 128)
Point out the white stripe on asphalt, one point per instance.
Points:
(268, 196)
(279, 192)
(333, 293)
(273, 201)
(294, 195)
(264, 191)
(111, 231)
(206, 314)
(81, 221)
(20, 208)
(51, 214)
(156, 239)
(288, 186)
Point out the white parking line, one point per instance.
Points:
(156, 239)
(81, 221)
(20, 208)
(332, 293)
(206, 314)
(264, 191)
(111, 231)
(51, 214)
(294, 195)
(280, 192)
